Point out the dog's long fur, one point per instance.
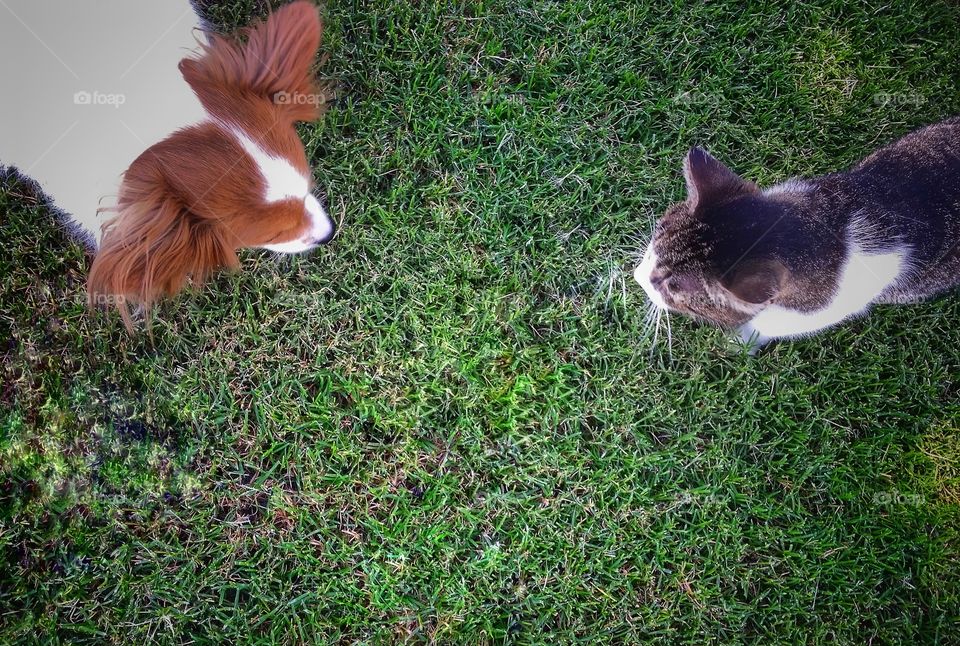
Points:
(232, 174)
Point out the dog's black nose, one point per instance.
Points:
(327, 238)
(333, 232)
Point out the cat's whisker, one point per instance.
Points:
(647, 315)
(649, 330)
(649, 319)
(669, 338)
(656, 331)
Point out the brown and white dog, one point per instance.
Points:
(165, 157)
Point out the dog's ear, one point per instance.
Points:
(273, 64)
(151, 248)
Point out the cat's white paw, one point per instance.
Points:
(751, 339)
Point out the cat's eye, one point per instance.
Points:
(684, 283)
(659, 275)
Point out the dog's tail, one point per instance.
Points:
(273, 63)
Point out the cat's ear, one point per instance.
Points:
(758, 281)
(709, 181)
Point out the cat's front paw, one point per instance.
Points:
(751, 339)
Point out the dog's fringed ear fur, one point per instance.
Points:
(273, 64)
(151, 249)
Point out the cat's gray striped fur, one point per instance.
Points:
(802, 256)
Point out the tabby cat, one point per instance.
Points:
(799, 257)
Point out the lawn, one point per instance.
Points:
(448, 425)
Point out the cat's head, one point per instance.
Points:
(716, 256)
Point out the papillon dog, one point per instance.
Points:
(165, 146)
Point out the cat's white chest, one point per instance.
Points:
(863, 278)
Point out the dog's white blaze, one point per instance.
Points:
(284, 182)
(642, 275)
(294, 246)
(321, 228)
(282, 179)
(322, 225)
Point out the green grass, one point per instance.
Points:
(446, 425)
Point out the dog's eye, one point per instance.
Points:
(284, 234)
